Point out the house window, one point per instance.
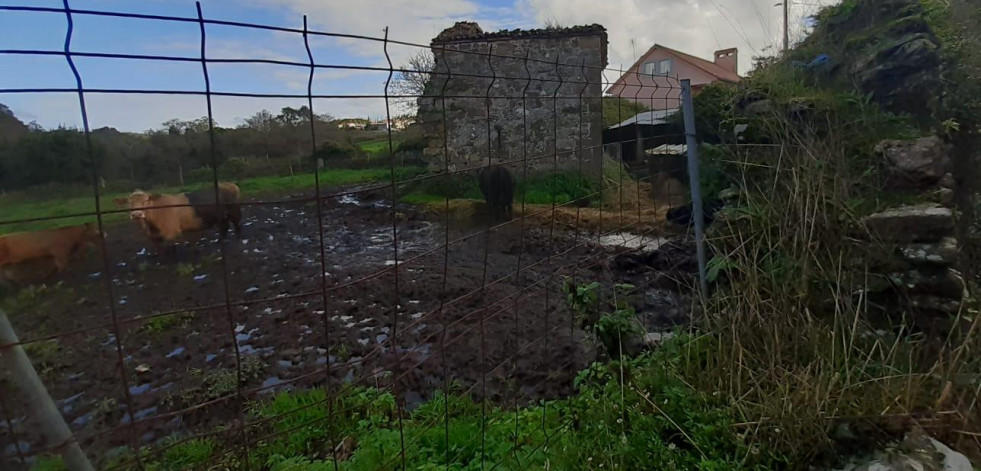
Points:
(664, 67)
(649, 68)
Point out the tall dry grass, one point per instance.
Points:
(792, 344)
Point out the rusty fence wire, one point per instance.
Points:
(364, 290)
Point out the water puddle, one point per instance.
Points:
(175, 352)
(140, 415)
(11, 449)
(348, 199)
(250, 350)
(632, 241)
(273, 384)
(10, 424)
(421, 352)
(82, 420)
(68, 404)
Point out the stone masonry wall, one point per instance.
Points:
(539, 113)
(923, 276)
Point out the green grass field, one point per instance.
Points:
(17, 207)
(376, 146)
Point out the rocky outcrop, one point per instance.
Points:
(889, 51)
(903, 74)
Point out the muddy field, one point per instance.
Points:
(179, 326)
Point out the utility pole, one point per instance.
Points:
(786, 26)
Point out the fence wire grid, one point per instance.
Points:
(337, 287)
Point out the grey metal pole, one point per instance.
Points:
(53, 426)
(693, 180)
(786, 26)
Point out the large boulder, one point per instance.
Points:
(921, 163)
(917, 452)
(926, 222)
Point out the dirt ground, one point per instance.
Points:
(444, 316)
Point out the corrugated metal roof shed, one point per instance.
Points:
(649, 118)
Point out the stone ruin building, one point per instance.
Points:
(545, 99)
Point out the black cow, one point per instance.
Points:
(497, 185)
(682, 215)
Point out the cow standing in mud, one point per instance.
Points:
(166, 217)
(497, 186)
(59, 244)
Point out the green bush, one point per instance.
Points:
(334, 150)
(560, 188)
(234, 168)
(616, 110)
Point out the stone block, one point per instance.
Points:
(919, 223)
(942, 283)
(915, 164)
(948, 182)
(943, 252)
(944, 196)
(936, 304)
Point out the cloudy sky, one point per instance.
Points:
(698, 27)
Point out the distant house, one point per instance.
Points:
(654, 79)
(352, 123)
(377, 125)
(402, 123)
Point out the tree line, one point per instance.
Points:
(31, 156)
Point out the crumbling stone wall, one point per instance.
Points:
(545, 111)
(923, 276)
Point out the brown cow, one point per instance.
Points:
(166, 217)
(60, 244)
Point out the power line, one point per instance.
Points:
(739, 33)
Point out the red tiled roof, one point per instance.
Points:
(706, 66)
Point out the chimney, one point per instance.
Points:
(728, 59)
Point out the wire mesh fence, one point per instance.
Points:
(387, 301)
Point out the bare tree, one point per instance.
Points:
(411, 82)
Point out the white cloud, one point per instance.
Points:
(698, 27)
(414, 21)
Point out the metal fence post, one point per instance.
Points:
(693, 178)
(53, 425)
